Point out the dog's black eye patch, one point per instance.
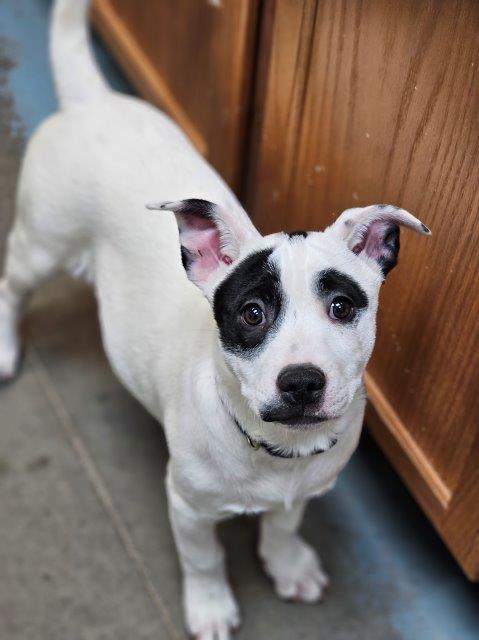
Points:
(331, 281)
(255, 278)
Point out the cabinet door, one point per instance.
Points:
(371, 101)
(193, 59)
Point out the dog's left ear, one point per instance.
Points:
(211, 237)
(373, 232)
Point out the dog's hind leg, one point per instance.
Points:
(291, 563)
(28, 262)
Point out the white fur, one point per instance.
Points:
(87, 175)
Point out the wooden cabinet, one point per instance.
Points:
(355, 103)
(375, 101)
(192, 58)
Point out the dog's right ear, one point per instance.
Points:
(210, 236)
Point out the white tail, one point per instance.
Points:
(76, 74)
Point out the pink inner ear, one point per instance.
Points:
(372, 242)
(198, 224)
(201, 238)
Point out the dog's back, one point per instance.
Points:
(104, 156)
(86, 177)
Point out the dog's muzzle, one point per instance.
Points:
(301, 389)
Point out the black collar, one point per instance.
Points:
(272, 450)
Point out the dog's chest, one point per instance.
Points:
(267, 484)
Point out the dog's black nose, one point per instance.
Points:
(301, 384)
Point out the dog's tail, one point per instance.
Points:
(76, 74)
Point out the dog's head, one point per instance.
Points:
(296, 312)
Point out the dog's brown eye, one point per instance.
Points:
(341, 309)
(253, 314)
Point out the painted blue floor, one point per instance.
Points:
(24, 32)
(387, 558)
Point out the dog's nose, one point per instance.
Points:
(301, 384)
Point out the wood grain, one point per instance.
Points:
(192, 59)
(372, 101)
(138, 67)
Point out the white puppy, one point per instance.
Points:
(251, 353)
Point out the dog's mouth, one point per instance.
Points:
(295, 418)
(303, 421)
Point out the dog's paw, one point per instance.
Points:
(295, 570)
(308, 587)
(211, 609)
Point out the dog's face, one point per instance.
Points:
(297, 324)
(296, 313)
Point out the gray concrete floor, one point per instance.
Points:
(85, 545)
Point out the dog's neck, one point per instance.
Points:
(273, 437)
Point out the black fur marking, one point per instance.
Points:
(196, 207)
(331, 281)
(391, 255)
(255, 278)
(294, 234)
(186, 258)
(424, 228)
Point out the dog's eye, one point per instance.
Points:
(252, 314)
(341, 309)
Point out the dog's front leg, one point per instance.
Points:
(292, 564)
(211, 610)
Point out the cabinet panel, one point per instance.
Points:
(193, 59)
(372, 101)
